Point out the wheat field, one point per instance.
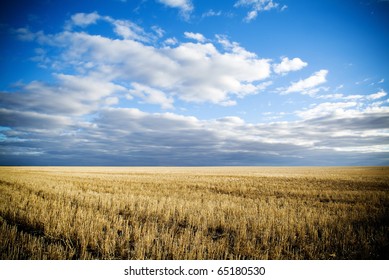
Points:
(194, 213)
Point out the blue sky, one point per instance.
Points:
(192, 82)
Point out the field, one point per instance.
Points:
(194, 213)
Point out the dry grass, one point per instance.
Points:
(194, 213)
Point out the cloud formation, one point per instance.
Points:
(195, 36)
(185, 6)
(129, 136)
(151, 95)
(308, 85)
(182, 71)
(288, 65)
(83, 19)
(88, 115)
(257, 6)
(211, 13)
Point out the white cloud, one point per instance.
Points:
(83, 19)
(257, 6)
(80, 116)
(151, 95)
(70, 95)
(308, 85)
(31, 120)
(231, 120)
(208, 75)
(113, 100)
(339, 87)
(185, 6)
(327, 109)
(123, 28)
(377, 95)
(195, 36)
(211, 13)
(131, 31)
(234, 47)
(194, 72)
(331, 96)
(24, 34)
(132, 136)
(228, 103)
(355, 97)
(288, 65)
(88, 88)
(251, 15)
(171, 41)
(356, 118)
(158, 30)
(181, 4)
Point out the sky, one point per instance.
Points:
(194, 82)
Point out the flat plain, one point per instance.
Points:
(194, 213)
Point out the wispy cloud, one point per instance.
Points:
(185, 6)
(377, 95)
(123, 28)
(130, 31)
(211, 13)
(257, 6)
(355, 97)
(308, 85)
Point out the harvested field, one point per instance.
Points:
(194, 213)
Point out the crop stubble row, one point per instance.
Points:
(194, 213)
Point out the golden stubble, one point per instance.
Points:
(194, 213)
